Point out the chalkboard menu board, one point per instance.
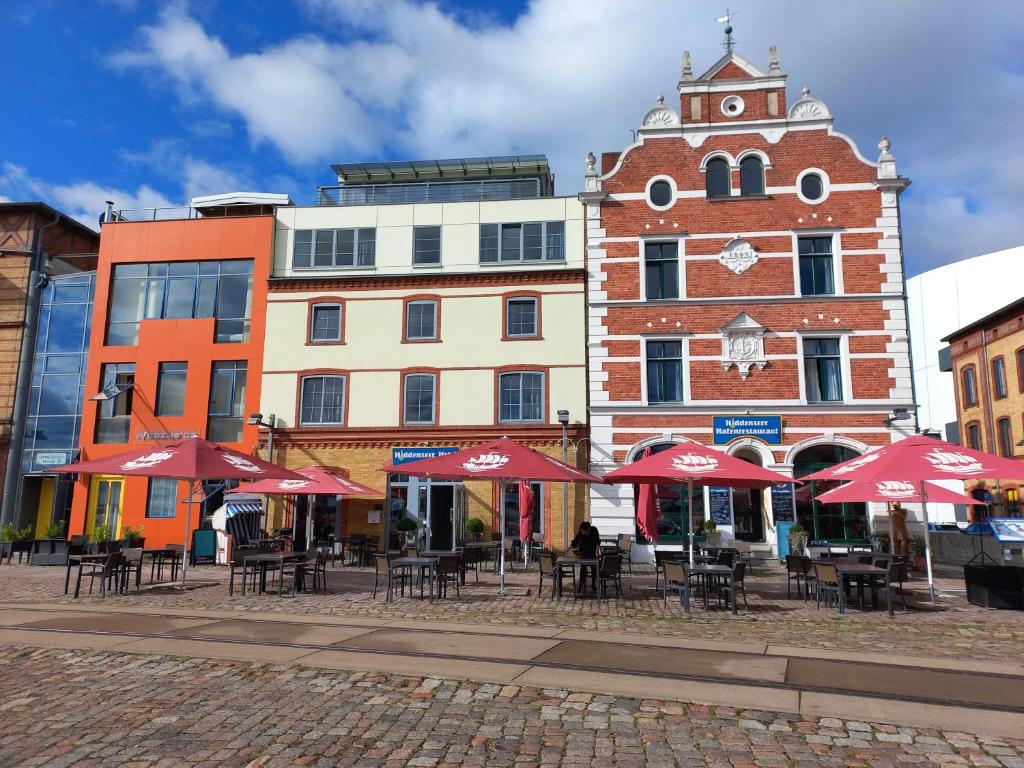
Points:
(782, 503)
(721, 511)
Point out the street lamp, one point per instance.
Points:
(256, 420)
(563, 419)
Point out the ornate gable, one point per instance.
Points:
(743, 344)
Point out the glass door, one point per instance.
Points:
(442, 516)
(105, 494)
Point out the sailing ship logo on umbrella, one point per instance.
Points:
(692, 463)
(240, 462)
(147, 461)
(957, 463)
(485, 462)
(896, 489)
(290, 485)
(856, 464)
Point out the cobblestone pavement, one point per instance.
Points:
(74, 708)
(957, 630)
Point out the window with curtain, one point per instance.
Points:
(751, 176)
(161, 500)
(323, 400)
(227, 401)
(664, 371)
(970, 385)
(420, 391)
(815, 254)
(521, 396)
(170, 389)
(1005, 430)
(974, 437)
(661, 270)
(325, 325)
(717, 179)
(999, 377)
(823, 375)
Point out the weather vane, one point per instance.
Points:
(727, 20)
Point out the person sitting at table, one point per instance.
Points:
(587, 545)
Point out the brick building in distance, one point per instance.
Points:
(987, 362)
(746, 291)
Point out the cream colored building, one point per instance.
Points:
(395, 325)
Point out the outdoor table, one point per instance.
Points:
(860, 572)
(158, 555)
(719, 571)
(572, 561)
(357, 548)
(262, 561)
(78, 560)
(490, 547)
(428, 563)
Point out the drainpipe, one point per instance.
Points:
(37, 279)
(985, 396)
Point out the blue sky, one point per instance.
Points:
(148, 104)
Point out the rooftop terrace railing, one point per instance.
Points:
(184, 212)
(430, 192)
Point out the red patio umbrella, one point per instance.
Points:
(647, 506)
(189, 460)
(892, 490)
(501, 461)
(320, 481)
(695, 464)
(525, 516)
(920, 459)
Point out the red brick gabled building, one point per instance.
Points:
(745, 290)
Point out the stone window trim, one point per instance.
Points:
(668, 180)
(412, 299)
(320, 300)
(524, 368)
(826, 186)
(300, 376)
(683, 337)
(838, 285)
(998, 368)
(643, 241)
(846, 374)
(436, 412)
(538, 298)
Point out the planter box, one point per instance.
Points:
(49, 552)
(995, 586)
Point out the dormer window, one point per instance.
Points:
(751, 176)
(717, 178)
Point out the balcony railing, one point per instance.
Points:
(430, 192)
(183, 212)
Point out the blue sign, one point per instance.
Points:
(405, 455)
(766, 428)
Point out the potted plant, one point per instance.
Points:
(15, 540)
(407, 527)
(99, 538)
(475, 527)
(711, 535)
(797, 539)
(132, 537)
(917, 550)
(55, 530)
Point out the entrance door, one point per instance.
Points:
(105, 496)
(747, 517)
(442, 516)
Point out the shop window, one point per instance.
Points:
(170, 389)
(970, 386)
(114, 415)
(162, 498)
(823, 377)
(717, 178)
(521, 396)
(661, 271)
(816, 270)
(664, 371)
(227, 401)
(839, 523)
(420, 394)
(322, 400)
(751, 176)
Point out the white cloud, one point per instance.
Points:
(395, 78)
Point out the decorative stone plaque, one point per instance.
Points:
(738, 255)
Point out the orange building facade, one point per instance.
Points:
(176, 350)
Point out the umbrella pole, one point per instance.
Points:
(188, 522)
(927, 543)
(501, 551)
(689, 512)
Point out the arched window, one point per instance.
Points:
(718, 182)
(673, 515)
(974, 436)
(840, 523)
(1005, 437)
(970, 384)
(999, 377)
(751, 176)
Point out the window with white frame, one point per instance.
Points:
(521, 396)
(661, 270)
(334, 248)
(664, 371)
(325, 325)
(521, 317)
(323, 400)
(524, 241)
(816, 270)
(421, 320)
(823, 370)
(419, 399)
(426, 245)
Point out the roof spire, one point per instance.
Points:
(773, 60)
(729, 43)
(687, 73)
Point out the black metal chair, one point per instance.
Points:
(447, 572)
(238, 564)
(624, 544)
(316, 568)
(392, 576)
(661, 557)
(610, 572)
(677, 578)
(108, 570)
(546, 561)
(794, 572)
(131, 564)
(470, 562)
(827, 585)
(737, 587)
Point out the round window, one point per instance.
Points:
(660, 194)
(812, 187)
(732, 106)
